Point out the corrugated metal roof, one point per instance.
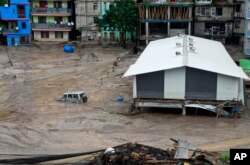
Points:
(166, 53)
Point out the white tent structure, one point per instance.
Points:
(185, 68)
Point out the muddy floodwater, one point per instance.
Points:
(32, 122)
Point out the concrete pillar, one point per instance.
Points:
(168, 28)
(146, 26)
(189, 17)
(189, 28)
(147, 33)
(168, 20)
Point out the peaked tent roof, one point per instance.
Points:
(208, 55)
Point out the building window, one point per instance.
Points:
(81, 11)
(58, 34)
(237, 24)
(58, 4)
(24, 40)
(238, 8)
(203, 11)
(105, 36)
(44, 34)
(13, 41)
(42, 19)
(95, 6)
(21, 11)
(104, 6)
(219, 11)
(58, 19)
(215, 28)
(112, 36)
(12, 25)
(23, 25)
(95, 19)
(43, 3)
(216, 11)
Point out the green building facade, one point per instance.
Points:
(112, 36)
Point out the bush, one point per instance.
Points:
(225, 155)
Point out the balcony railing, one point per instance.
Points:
(239, 14)
(51, 25)
(9, 31)
(50, 10)
(203, 2)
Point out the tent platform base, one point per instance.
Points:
(158, 105)
(218, 107)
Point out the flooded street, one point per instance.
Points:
(32, 122)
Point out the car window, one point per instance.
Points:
(70, 96)
(75, 96)
(81, 95)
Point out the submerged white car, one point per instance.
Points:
(74, 97)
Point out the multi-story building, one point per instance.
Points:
(164, 18)
(214, 19)
(247, 28)
(15, 22)
(109, 36)
(239, 22)
(52, 20)
(87, 13)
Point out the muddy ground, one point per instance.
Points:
(32, 122)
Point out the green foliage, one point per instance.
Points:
(3, 2)
(122, 17)
(225, 155)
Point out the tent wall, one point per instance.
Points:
(241, 92)
(150, 85)
(227, 87)
(174, 83)
(200, 84)
(187, 83)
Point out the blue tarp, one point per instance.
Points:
(68, 49)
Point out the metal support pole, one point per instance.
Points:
(146, 26)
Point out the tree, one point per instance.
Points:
(121, 17)
(3, 2)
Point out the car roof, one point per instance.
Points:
(74, 92)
